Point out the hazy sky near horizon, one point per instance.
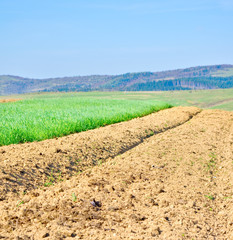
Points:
(55, 38)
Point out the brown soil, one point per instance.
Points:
(26, 166)
(9, 100)
(176, 184)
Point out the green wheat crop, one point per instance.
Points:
(43, 118)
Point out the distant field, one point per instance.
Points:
(39, 117)
(224, 73)
(216, 99)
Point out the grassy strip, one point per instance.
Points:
(199, 98)
(217, 99)
(44, 118)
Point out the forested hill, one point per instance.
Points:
(202, 77)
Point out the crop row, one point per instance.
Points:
(38, 119)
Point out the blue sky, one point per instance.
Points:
(49, 38)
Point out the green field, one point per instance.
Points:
(47, 115)
(224, 73)
(40, 117)
(215, 99)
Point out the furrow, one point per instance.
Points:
(27, 166)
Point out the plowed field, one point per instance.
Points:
(9, 100)
(168, 175)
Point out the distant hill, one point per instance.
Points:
(201, 77)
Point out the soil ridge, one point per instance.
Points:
(30, 165)
(174, 185)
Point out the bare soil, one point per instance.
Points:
(9, 100)
(164, 176)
